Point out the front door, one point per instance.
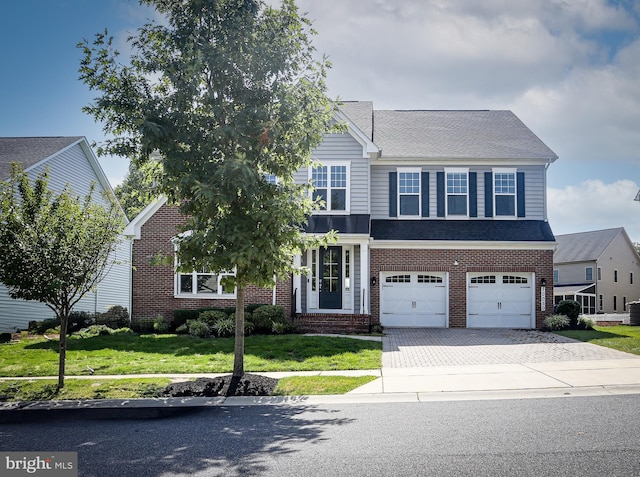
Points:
(331, 278)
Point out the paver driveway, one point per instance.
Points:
(430, 347)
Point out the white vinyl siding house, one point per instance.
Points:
(70, 161)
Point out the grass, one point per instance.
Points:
(622, 337)
(154, 354)
(131, 388)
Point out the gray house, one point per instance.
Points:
(70, 161)
(441, 219)
(600, 269)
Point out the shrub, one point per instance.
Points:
(5, 337)
(248, 327)
(377, 328)
(115, 317)
(230, 309)
(253, 307)
(198, 329)
(556, 322)
(143, 325)
(183, 329)
(180, 317)
(94, 330)
(278, 328)
(570, 308)
(586, 322)
(46, 325)
(159, 325)
(224, 327)
(265, 316)
(79, 320)
(210, 317)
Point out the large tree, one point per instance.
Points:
(228, 92)
(140, 187)
(55, 247)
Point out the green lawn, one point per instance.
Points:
(623, 337)
(133, 354)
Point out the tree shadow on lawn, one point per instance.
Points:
(590, 335)
(289, 347)
(230, 441)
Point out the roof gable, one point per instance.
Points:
(584, 246)
(29, 151)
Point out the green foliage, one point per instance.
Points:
(278, 328)
(160, 325)
(198, 329)
(5, 337)
(101, 330)
(586, 322)
(180, 316)
(140, 187)
(570, 308)
(55, 247)
(224, 327)
(556, 322)
(265, 316)
(210, 317)
(115, 317)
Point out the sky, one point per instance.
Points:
(569, 69)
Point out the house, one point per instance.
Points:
(600, 269)
(441, 219)
(70, 160)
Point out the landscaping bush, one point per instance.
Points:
(230, 309)
(571, 309)
(143, 325)
(181, 316)
(94, 330)
(556, 322)
(278, 328)
(5, 337)
(224, 327)
(41, 327)
(210, 317)
(253, 307)
(248, 327)
(183, 329)
(586, 322)
(79, 320)
(198, 329)
(265, 316)
(160, 325)
(115, 317)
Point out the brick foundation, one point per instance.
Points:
(336, 323)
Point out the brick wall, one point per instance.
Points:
(333, 323)
(538, 261)
(153, 285)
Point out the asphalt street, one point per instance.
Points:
(587, 436)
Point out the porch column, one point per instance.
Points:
(365, 282)
(297, 284)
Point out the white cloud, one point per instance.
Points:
(595, 205)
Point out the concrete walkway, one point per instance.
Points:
(417, 365)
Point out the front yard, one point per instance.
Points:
(622, 337)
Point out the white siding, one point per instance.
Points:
(72, 167)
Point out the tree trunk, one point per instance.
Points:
(64, 319)
(238, 358)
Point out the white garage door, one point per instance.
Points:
(500, 300)
(414, 299)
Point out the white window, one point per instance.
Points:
(588, 273)
(409, 192)
(457, 192)
(203, 285)
(331, 186)
(271, 178)
(504, 192)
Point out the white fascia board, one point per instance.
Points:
(132, 230)
(368, 147)
(458, 245)
(458, 162)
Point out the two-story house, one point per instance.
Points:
(441, 221)
(600, 269)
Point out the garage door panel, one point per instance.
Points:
(499, 300)
(412, 299)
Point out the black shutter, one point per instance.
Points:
(424, 183)
(440, 193)
(473, 194)
(520, 199)
(393, 194)
(488, 194)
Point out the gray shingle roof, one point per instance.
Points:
(584, 246)
(447, 134)
(29, 150)
(467, 230)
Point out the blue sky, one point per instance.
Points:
(569, 69)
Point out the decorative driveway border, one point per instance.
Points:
(431, 347)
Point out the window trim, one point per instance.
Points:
(205, 296)
(455, 170)
(328, 165)
(586, 274)
(556, 275)
(505, 170)
(409, 170)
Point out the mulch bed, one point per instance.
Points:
(247, 385)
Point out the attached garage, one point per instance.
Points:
(500, 300)
(414, 299)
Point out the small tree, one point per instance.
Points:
(55, 248)
(227, 91)
(140, 187)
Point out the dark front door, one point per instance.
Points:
(331, 278)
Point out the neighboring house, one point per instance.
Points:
(441, 219)
(600, 269)
(70, 160)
